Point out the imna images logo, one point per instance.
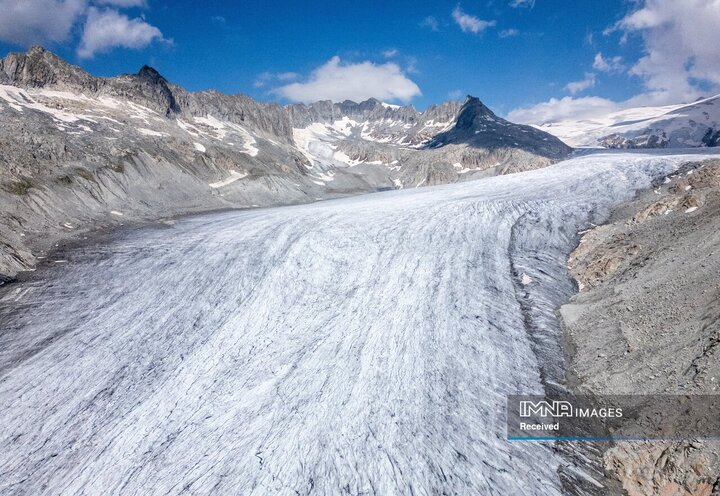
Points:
(563, 408)
(546, 408)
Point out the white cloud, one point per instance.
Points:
(522, 3)
(338, 81)
(27, 22)
(569, 108)
(430, 22)
(121, 3)
(456, 95)
(680, 63)
(267, 77)
(107, 29)
(681, 41)
(390, 53)
(469, 23)
(613, 64)
(585, 83)
(507, 33)
(411, 65)
(565, 108)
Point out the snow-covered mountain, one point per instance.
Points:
(445, 143)
(80, 151)
(695, 124)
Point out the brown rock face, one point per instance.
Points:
(647, 320)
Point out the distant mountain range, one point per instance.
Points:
(80, 152)
(694, 124)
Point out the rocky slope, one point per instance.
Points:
(674, 126)
(445, 143)
(81, 152)
(647, 320)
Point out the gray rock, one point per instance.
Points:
(477, 126)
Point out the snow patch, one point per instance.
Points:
(234, 176)
(150, 132)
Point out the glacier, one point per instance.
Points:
(355, 346)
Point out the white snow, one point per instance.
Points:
(248, 142)
(188, 128)
(234, 176)
(149, 132)
(690, 210)
(222, 129)
(461, 169)
(345, 159)
(20, 99)
(671, 119)
(319, 141)
(199, 147)
(216, 124)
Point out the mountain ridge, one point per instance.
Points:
(695, 124)
(40, 68)
(82, 153)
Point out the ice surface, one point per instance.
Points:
(355, 346)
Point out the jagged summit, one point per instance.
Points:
(150, 74)
(160, 89)
(472, 112)
(478, 126)
(38, 68)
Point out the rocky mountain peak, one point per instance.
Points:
(39, 67)
(157, 90)
(150, 74)
(477, 126)
(472, 112)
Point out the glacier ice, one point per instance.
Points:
(363, 345)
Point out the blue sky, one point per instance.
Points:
(510, 53)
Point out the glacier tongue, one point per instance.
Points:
(363, 345)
